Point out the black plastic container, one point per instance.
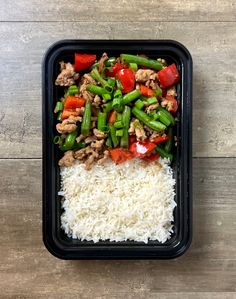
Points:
(54, 238)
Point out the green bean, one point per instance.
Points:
(59, 115)
(163, 118)
(118, 124)
(96, 76)
(119, 85)
(86, 122)
(129, 97)
(111, 82)
(119, 117)
(116, 103)
(110, 61)
(102, 120)
(153, 64)
(124, 142)
(151, 101)
(107, 107)
(117, 93)
(133, 66)
(169, 142)
(158, 92)
(57, 140)
(143, 117)
(96, 89)
(139, 104)
(114, 138)
(69, 141)
(119, 133)
(79, 145)
(72, 90)
(167, 113)
(58, 107)
(163, 153)
(106, 97)
(153, 115)
(109, 141)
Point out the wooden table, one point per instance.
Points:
(208, 30)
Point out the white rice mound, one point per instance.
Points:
(130, 201)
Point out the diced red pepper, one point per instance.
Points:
(132, 139)
(152, 157)
(161, 139)
(112, 117)
(115, 69)
(168, 76)
(120, 155)
(83, 61)
(172, 105)
(72, 102)
(66, 113)
(146, 92)
(127, 80)
(142, 149)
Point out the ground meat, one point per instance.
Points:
(68, 125)
(89, 79)
(171, 91)
(104, 158)
(89, 162)
(90, 139)
(152, 107)
(85, 80)
(99, 134)
(145, 75)
(67, 160)
(96, 101)
(80, 111)
(152, 84)
(80, 138)
(137, 129)
(154, 135)
(168, 105)
(97, 144)
(101, 62)
(67, 76)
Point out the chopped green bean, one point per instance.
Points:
(119, 133)
(57, 140)
(58, 107)
(111, 82)
(151, 101)
(106, 97)
(133, 66)
(119, 117)
(118, 124)
(78, 146)
(107, 107)
(102, 120)
(110, 61)
(167, 113)
(139, 104)
(119, 85)
(96, 76)
(69, 141)
(114, 138)
(169, 142)
(143, 117)
(116, 103)
(153, 64)
(86, 122)
(158, 92)
(124, 142)
(164, 118)
(59, 115)
(72, 90)
(109, 141)
(117, 93)
(96, 89)
(163, 153)
(153, 115)
(129, 97)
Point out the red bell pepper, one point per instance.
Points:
(172, 105)
(168, 76)
(152, 157)
(72, 102)
(142, 149)
(132, 139)
(83, 61)
(127, 79)
(112, 117)
(161, 139)
(66, 113)
(115, 69)
(146, 92)
(120, 155)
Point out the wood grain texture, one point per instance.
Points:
(207, 270)
(122, 10)
(214, 105)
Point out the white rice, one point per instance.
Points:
(131, 201)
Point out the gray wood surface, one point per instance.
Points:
(209, 265)
(208, 30)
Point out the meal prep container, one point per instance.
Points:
(54, 238)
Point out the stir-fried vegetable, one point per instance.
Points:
(122, 107)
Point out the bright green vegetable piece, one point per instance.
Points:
(124, 142)
(129, 97)
(143, 117)
(86, 122)
(152, 64)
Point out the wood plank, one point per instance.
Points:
(27, 270)
(214, 122)
(124, 10)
